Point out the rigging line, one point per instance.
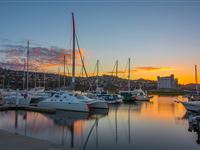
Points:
(81, 70)
(113, 69)
(125, 69)
(68, 72)
(84, 68)
(81, 56)
(95, 68)
(93, 74)
(80, 73)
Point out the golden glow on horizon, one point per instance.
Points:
(184, 76)
(51, 62)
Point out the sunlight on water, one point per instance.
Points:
(158, 124)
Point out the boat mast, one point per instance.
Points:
(129, 73)
(44, 76)
(64, 71)
(196, 79)
(97, 73)
(35, 77)
(24, 76)
(117, 68)
(58, 77)
(27, 73)
(73, 52)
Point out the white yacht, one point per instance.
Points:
(140, 95)
(36, 97)
(64, 101)
(92, 103)
(11, 98)
(36, 90)
(32, 98)
(9, 92)
(192, 106)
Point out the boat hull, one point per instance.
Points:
(81, 107)
(195, 107)
(98, 104)
(117, 101)
(142, 98)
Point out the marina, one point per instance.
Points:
(99, 75)
(158, 123)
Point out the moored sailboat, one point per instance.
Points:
(70, 100)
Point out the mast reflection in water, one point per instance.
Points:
(158, 124)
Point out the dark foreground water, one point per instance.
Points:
(159, 124)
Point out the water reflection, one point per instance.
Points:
(194, 124)
(156, 124)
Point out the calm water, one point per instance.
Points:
(159, 124)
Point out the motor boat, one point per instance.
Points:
(92, 102)
(100, 94)
(192, 106)
(36, 90)
(12, 98)
(195, 97)
(110, 98)
(127, 96)
(26, 99)
(36, 97)
(8, 92)
(140, 95)
(64, 101)
(135, 95)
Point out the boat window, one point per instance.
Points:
(110, 97)
(141, 94)
(79, 96)
(57, 96)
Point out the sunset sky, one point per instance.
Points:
(161, 37)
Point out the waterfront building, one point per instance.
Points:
(168, 82)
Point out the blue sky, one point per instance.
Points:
(153, 33)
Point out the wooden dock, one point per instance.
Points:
(27, 108)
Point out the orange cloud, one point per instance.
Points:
(142, 69)
(40, 57)
(149, 68)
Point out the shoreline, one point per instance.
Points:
(13, 141)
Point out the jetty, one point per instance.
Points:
(27, 108)
(12, 141)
